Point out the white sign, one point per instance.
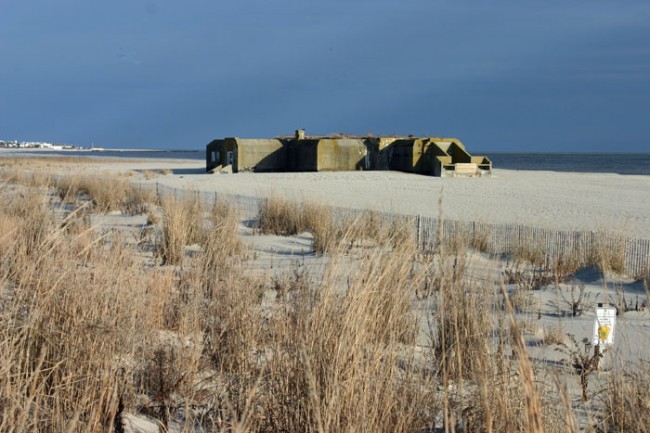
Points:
(604, 326)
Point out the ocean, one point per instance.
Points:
(620, 163)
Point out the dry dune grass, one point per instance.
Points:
(282, 217)
(26, 177)
(66, 323)
(41, 161)
(627, 401)
(92, 329)
(106, 195)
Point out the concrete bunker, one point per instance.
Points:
(431, 156)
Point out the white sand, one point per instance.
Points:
(571, 201)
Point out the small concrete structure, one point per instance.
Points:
(422, 155)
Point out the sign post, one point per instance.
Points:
(604, 326)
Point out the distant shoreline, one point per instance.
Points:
(40, 149)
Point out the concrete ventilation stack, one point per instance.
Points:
(300, 134)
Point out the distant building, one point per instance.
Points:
(423, 155)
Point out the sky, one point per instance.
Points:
(499, 75)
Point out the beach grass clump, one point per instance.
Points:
(400, 233)
(106, 194)
(222, 249)
(138, 200)
(608, 253)
(487, 381)
(368, 226)
(280, 216)
(463, 323)
(553, 335)
(456, 243)
(175, 231)
(329, 229)
(565, 265)
(348, 356)
(27, 223)
(531, 252)
(480, 237)
(185, 222)
(626, 399)
(28, 177)
(66, 325)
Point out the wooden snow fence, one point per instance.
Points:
(506, 239)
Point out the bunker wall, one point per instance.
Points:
(259, 155)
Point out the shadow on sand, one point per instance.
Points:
(185, 171)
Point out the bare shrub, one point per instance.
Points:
(166, 376)
(527, 278)
(286, 286)
(582, 360)
(576, 298)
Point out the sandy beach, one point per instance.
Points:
(261, 274)
(562, 201)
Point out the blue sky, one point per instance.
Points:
(499, 75)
